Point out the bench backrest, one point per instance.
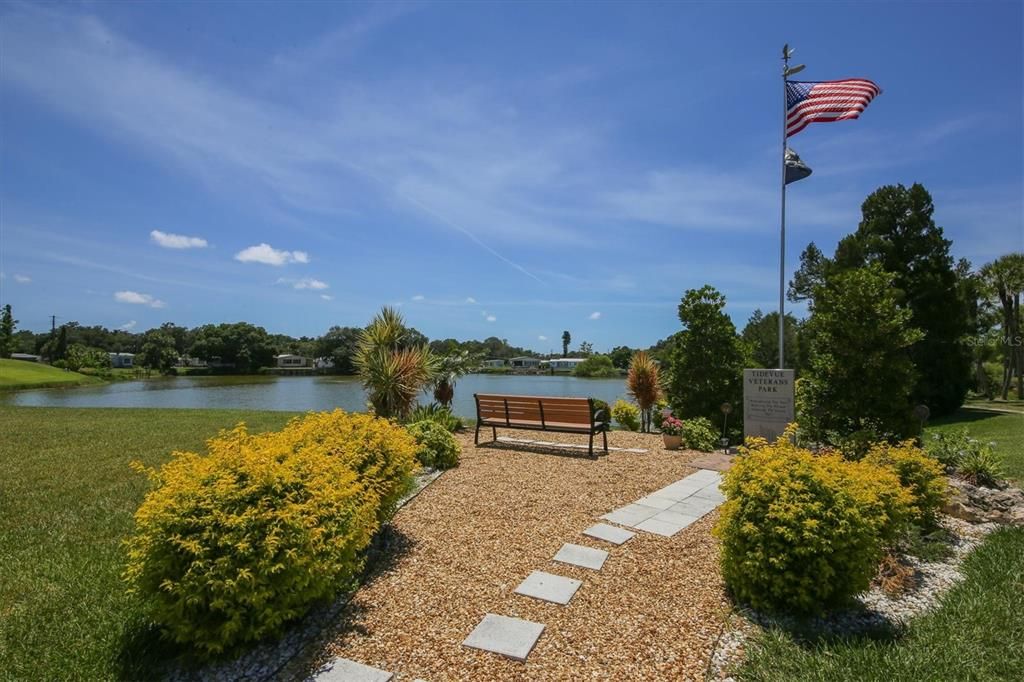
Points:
(531, 408)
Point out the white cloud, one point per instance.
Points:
(542, 338)
(127, 325)
(268, 255)
(304, 283)
(492, 318)
(138, 299)
(327, 297)
(22, 279)
(418, 297)
(169, 240)
(470, 300)
(595, 315)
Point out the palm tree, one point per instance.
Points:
(566, 340)
(643, 384)
(449, 369)
(392, 373)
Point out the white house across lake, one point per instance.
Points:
(492, 364)
(289, 360)
(525, 362)
(564, 364)
(122, 360)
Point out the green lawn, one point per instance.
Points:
(16, 374)
(67, 497)
(977, 633)
(1006, 430)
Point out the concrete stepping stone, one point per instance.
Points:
(585, 557)
(662, 528)
(612, 534)
(631, 514)
(549, 587)
(512, 637)
(344, 670)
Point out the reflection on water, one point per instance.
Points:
(295, 394)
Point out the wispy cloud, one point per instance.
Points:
(418, 297)
(22, 279)
(304, 283)
(542, 338)
(594, 315)
(128, 326)
(470, 300)
(169, 240)
(136, 298)
(327, 297)
(491, 318)
(268, 255)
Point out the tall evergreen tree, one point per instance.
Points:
(7, 325)
(762, 338)
(706, 366)
(897, 233)
(566, 340)
(861, 376)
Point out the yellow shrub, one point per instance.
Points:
(804, 532)
(919, 472)
(381, 452)
(231, 545)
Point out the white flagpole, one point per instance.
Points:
(786, 52)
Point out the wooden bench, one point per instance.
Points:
(540, 413)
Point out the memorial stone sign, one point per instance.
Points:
(767, 402)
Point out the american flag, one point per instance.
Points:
(825, 101)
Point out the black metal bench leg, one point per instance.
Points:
(604, 434)
(476, 436)
(591, 451)
(494, 434)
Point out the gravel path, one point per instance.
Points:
(465, 543)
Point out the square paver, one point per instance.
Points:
(711, 492)
(704, 476)
(675, 518)
(602, 531)
(585, 557)
(631, 514)
(659, 527)
(657, 502)
(512, 637)
(344, 670)
(693, 506)
(548, 587)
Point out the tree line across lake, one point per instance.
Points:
(894, 322)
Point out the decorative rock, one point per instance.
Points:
(548, 587)
(978, 504)
(602, 531)
(585, 557)
(344, 670)
(512, 637)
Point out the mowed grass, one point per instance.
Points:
(1005, 430)
(976, 633)
(67, 496)
(16, 374)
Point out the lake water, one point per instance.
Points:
(297, 394)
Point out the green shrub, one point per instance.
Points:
(231, 545)
(596, 366)
(805, 532)
(699, 434)
(982, 466)
(975, 461)
(627, 415)
(436, 447)
(919, 472)
(436, 413)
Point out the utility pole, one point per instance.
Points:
(53, 324)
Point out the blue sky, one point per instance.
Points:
(506, 170)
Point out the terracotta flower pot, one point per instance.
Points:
(671, 442)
